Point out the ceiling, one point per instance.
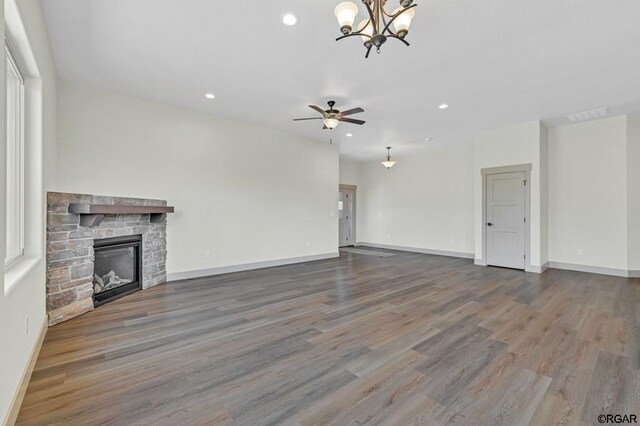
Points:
(495, 62)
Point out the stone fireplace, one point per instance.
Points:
(101, 248)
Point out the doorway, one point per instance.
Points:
(347, 215)
(506, 212)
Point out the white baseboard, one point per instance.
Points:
(531, 268)
(537, 269)
(184, 275)
(419, 250)
(634, 274)
(14, 408)
(593, 269)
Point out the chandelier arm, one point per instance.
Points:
(384, 19)
(393, 18)
(372, 19)
(353, 35)
(368, 51)
(398, 38)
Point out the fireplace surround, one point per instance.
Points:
(79, 227)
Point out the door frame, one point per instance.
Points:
(352, 189)
(526, 168)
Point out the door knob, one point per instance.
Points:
(489, 224)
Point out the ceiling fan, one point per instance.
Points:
(332, 117)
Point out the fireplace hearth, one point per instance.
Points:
(117, 268)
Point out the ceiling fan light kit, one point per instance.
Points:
(331, 122)
(379, 26)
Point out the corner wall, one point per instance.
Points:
(588, 194)
(507, 146)
(633, 193)
(22, 307)
(243, 194)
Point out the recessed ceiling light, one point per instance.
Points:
(429, 139)
(349, 135)
(443, 106)
(210, 96)
(289, 19)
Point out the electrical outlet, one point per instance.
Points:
(308, 244)
(207, 253)
(26, 325)
(451, 241)
(579, 252)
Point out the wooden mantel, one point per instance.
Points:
(92, 214)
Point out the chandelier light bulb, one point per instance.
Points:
(346, 13)
(403, 21)
(365, 27)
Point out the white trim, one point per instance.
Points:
(18, 396)
(593, 269)
(185, 275)
(16, 34)
(506, 169)
(354, 196)
(518, 168)
(633, 273)
(17, 168)
(538, 269)
(419, 250)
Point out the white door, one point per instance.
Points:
(506, 219)
(346, 210)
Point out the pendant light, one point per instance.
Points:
(388, 163)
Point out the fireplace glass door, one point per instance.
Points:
(117, 268)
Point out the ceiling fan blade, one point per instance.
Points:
(311, 118)
(352, 111)
(317, 108)
(352, 120)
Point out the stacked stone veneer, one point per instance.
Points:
(70, 250)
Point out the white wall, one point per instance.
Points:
(519, 144)
(242, 193)
(588, 193)
(633, 191)
(425, 201)
(349, 172)
(22, 294)
(585, 193)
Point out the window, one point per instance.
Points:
(15, 160)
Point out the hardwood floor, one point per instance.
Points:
(404, 339)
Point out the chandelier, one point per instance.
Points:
(388, 163)
(379, 25)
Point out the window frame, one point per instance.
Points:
(13, 258)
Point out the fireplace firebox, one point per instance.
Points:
(117, 268)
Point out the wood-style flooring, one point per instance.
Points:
(360, 339)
